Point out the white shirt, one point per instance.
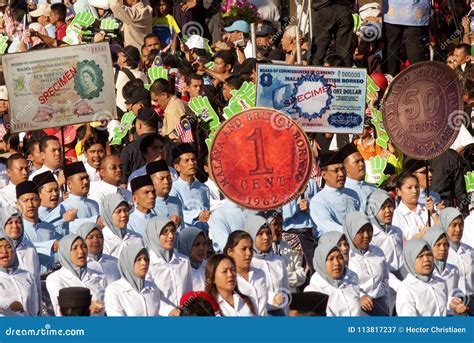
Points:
(343, 300)
(464, 260)
(464, 138)
(215, 198)
(408, 221)
(172, 278)
(294, 266)
(64, 278)
(99, 190)
(113, 244)
(8, 195)
(19, 286)
(121, 299)
(468, 234)
(450, 275)
(418, 298)
(92, 172)
(198, 277)
(372, 271)
(108, 265)
(240, 309)
(255, 288)
(45, 169)
(276, 277)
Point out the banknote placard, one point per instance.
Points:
(65, 86)
(320, 99)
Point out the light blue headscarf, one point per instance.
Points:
(126, 265)
(152, 236)
(325, 246)
(5, 214)
(186, 242)
(252, 225)
(446, 217)
(352, 223)
(374, 203)
(412, 249)
(84, 230)
(109, 205)
(432, 235)
(14, 263)
(65, 245)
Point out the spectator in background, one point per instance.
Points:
(165, 26)
(405, 24)
(239, 35)
(334, 22)
(58, 19)
(288, 44)
(137, 20)
(42, 15)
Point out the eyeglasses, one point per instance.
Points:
(337, 170)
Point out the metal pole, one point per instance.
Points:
(64, 188)
(253, 38)
(427, 190)
(299, 13)
(310, 19)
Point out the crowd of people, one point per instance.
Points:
(96, 224)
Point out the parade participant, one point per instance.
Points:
(111, 173)
(339, 239)
(78, 184)
(368, 262)
(17, 171)
(165, 204)
(329, 206)
(50, 150)
(76, 273)
(355, 170)
(193, 194)
(418, 168)
(221, 284)
(421, 293)
(439, 244)
(132, 295)
(42, 234)
(96, 259)
(332, 277)
(460, 254)
(115, 211)
(95, 152)
(271, 264)
(193, 244)
(144, 200)
(170, 271)
(251, 280)
(410, 216)
(20, 295)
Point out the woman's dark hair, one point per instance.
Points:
(197, 307)
(234, 239)
(12, 140)
(210, 276)
(403, 177)
(93, 141)
(227, 56)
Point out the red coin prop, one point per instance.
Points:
(261, 159)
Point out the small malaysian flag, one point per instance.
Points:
(8, 22)
(183, 129)
(3, 129)
(179, 83)
(70, 14)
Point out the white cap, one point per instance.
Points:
(195, 42)
(102, 4)
(3, 93)
(42, 9)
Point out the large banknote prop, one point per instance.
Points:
(261, 159)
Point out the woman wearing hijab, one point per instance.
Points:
(75, 273)
(368, 262)
(193, 244)
(11, 224)
(438, 241)
(460, 254)
(96, 259)
(115, 211)
(221, 284)
(132, 295)
(170, 270)
(421, 293)
(271, 264)
(333, 278)
(339, 239)
(251, 280)
(18, 290)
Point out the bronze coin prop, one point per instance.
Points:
(422, 109)
(261, 159)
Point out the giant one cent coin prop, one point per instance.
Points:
(422, 109)
(261, 159)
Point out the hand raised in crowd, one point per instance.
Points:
(176, 219)
(278, 299)
(70, 215)
(189, 5)
(430, 205)
(96, 307)
(204, 216)
(16, 306)
(458, 306)
(303, 205)
(366, 303)
(55, 246)
(61, 179)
